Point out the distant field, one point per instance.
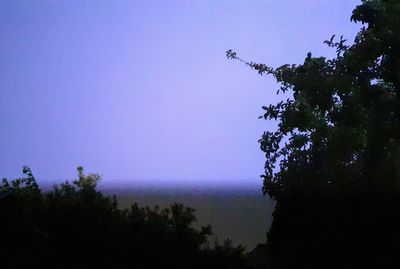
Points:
(241, 215)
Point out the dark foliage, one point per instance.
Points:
(336, 230)
(75, 226)
(333, 163)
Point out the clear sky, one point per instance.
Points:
(141, 90)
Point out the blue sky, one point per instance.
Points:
(141, 90)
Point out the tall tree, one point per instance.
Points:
(333, 163)
(342, 125)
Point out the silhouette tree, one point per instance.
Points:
(333, 163)
(76, 226)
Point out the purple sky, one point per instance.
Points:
(142, 89)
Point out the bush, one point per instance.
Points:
(74, 226)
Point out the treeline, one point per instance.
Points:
(75, 226)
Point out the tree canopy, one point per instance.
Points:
(341, 127)
(333, 162)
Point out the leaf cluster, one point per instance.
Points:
(341, 127)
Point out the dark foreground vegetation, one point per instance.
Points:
(75, 226)
(333, 163)
(333, 168)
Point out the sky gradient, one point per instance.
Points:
(142, 91)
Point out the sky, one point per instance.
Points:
(141, 91)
